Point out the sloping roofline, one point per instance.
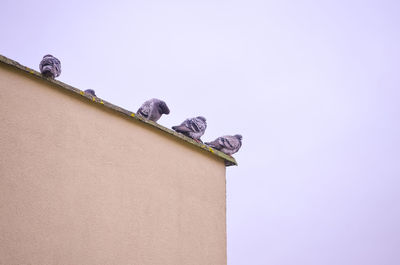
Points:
(229, 161)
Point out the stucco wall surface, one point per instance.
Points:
(82, 185)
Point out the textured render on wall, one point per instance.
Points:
(78, 185)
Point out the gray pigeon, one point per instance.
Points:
(194, 128)
(50, 66)
(227, 144)
(90, 92)
(153, 109)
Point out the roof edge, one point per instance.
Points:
(229, 161)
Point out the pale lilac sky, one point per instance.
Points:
(313, 87)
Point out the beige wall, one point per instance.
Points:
(80, 184)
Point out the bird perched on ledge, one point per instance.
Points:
(90, 92)
(227, 144)
(153, 109)
(194, 128)
(50, 66)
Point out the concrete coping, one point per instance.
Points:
(229, 161)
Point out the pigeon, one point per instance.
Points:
(153, 109)
(227, 144)
(50, 66)
(194, 128)
(90, 92)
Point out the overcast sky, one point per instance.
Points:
(313, 87)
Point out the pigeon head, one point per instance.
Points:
(163, 108)
(50, 66)
(238, 136)
(90, 92)
(201, 118)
